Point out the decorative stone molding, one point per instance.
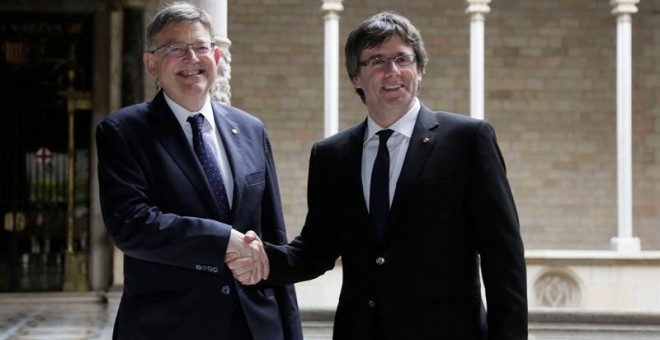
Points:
(217, 9)
(221, 90)
(557, 287)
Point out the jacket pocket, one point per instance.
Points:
(256, 178)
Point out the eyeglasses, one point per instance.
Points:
(177, 50)
(376, 63)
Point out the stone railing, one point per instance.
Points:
(600, 280)
(544, 323)
(572, 295)
(574, 324)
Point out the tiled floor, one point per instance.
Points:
(66, 316)
(56, 321)
(85, 321)
(35, 317)
(85, 316)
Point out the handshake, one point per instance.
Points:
(246, 257)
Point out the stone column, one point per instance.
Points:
(217, 9)
(116, 257)
(623, 9)
(331, 9)
(477, 10)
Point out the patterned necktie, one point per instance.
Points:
(379, 194)
(206, 159)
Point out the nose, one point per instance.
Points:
(190, 51)
(392, 67)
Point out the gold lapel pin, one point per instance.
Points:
(425, 140)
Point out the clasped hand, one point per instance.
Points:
(246, 257)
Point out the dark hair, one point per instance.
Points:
(175, 13)
(376, 30)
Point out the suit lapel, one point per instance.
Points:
(353, 168)
(351, 180)
(230, 136)
(169, 134)
(421, 143)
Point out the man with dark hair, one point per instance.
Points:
(181, 179)
(415, 202)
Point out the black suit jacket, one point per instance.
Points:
(160, 211)
(452, 212)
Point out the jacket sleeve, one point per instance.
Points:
(317, 248)
(273, 231)
(133, 217)
(495, 219)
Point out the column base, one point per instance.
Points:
(626, 244)
(113, 295)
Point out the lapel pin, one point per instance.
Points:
(234, 131)
(425, 140)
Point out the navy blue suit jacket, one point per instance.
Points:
(452, 214)
(160, 211)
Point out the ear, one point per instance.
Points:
(149, 63)
(357, 83)
(217, 54)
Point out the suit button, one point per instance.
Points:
(226, 290)
(371, 304)
(380, 261)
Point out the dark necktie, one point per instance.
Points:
(379, 194)
(206, 159)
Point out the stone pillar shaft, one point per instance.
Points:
(477, 10)
(331, 9)
(623, 9)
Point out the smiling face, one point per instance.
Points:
(389, 91)
(187, 79)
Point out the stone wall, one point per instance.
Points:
(550, 93)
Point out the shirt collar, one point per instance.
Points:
(182, 113)
(403, 126)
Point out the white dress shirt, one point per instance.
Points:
(211, 136)
(397, 145)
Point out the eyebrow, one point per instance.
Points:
(382, 55)
(174, 41)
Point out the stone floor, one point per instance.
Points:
(56, 321)
(86, 316)
(86, 321)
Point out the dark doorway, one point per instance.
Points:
(45, 63)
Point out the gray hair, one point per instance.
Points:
(175, 13)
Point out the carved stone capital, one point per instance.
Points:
(478, 7)
(624, 7)
(332, 6)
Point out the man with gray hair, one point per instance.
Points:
(182, 180)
